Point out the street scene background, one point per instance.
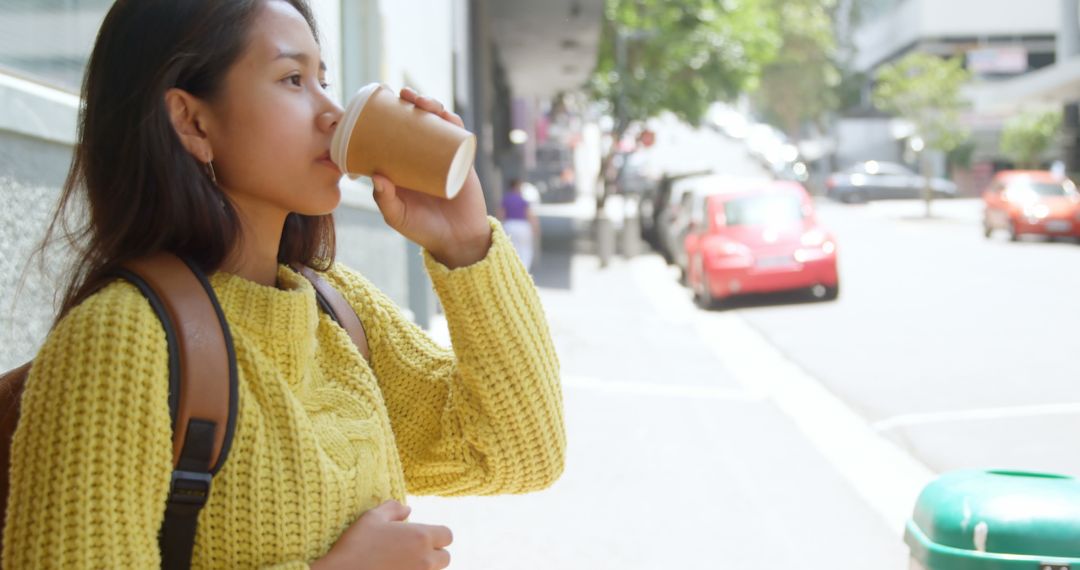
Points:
(794, 427)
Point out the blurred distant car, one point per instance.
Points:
(878, 180)
(653, 210)
(763, 237)
(674, 221)
(671, 211)
(1031, 202)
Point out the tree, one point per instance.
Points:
(925, 89)
(1027, 137)
(658, 55)
(802, 83)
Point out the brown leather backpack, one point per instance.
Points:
(202, 386)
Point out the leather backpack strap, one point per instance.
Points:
(12, 384)
(202, 390)
(334, 304)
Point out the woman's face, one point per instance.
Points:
(275, 119)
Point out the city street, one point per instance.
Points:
(784, 431)
(712, 431)
(957, 347)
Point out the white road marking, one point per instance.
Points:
(696, 392)
(950, 416)
(883, 474)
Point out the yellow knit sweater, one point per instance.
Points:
(321, 436)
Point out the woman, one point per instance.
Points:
(520, 222)
(205, 132)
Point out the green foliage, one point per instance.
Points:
(1027, 137)
(681, 56)
(802, 83)
(925, 89)
(962, 155)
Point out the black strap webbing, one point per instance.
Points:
(188, 493)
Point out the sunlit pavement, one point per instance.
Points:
(676, 459)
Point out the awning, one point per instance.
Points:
(547, 46)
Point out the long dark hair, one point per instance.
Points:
(144, 192)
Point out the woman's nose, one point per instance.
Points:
(329, 119)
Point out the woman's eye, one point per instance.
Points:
(298, 81)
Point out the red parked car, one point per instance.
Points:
(758, 238)
(1031, 202)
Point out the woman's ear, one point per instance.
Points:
(188, 117)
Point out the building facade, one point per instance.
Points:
(1000, 42)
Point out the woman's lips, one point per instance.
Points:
(324, 158)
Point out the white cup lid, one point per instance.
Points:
(339, 144)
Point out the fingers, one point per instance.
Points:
(390, 205)
(390, 511)
(431, 105)
(409, 95)
(453, 118)
(426, 103)
(440, 559)
(440, 536)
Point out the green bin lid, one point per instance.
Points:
(983, 520)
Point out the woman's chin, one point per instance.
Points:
(323, 202)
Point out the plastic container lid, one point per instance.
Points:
(997, 520)
(339, 143)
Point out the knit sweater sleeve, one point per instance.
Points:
(485, 417)
(91, 458)
(92, 453)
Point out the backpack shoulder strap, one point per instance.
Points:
(202, 389)
(12, 383)
(202, 392)
(334, 304)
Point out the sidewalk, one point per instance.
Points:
(672, 462)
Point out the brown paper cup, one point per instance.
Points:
(381, 134)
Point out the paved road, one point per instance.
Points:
(960, 348)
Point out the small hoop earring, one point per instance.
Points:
(210, 171)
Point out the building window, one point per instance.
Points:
(49, 40)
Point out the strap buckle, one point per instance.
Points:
(189, 488)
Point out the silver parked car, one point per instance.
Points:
(877, 180)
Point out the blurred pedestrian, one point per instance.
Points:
(520, 222)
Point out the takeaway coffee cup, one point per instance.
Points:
(380, 133)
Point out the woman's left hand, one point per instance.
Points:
(455, 232)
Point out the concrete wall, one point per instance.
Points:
(32, 173)
(37, 130)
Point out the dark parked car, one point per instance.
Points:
(877, 180)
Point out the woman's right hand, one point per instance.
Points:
(381, 539)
